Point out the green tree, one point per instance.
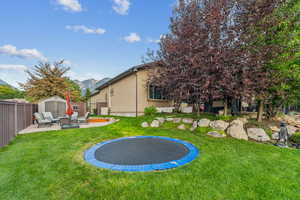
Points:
(87, 98)
(285, 69)
(88, 94)
(47, 80)
(7, 92)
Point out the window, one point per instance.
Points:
(75, 107)
(156, 93)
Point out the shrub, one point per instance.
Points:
(151, 110)
(295, 138)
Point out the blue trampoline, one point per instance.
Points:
(141, 153)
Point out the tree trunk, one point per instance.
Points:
(198, 108)
(260, 110)
(226, 106)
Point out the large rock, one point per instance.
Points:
(291, 129)
(181, 127)
(243, 119)
(293, 120)
(204, 123)
(155, 124)
(236, 130)
(258, 134)
(169, 119)
(176, 120)
(187, 109)
(160, 119)
(145, 124)
(215, 134)
(194, 126)
(219, 125)
(274, 128)
(275, 136)
(237, 122)
(188, 120)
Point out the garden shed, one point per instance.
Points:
(56, 105)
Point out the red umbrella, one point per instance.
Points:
(69, 109)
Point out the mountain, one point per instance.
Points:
(3, 82)
(91, 84)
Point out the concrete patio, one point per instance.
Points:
(55, 127)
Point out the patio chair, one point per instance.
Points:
(74, 117)
(41, 120)
(84, 119)
(49, 116)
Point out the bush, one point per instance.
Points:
(295, 138)
(151, 110)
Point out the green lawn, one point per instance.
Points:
(50, 165)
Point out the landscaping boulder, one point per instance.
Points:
(237, 122)
(243, 119)
(275, 136)
(236, 130)
(155, 123)
(176, 120)
(194, 126)
(160, 119)
(219, 125)
(258, 134)
(215, 134)
(291, 129)
(274, 128)
(204, 123)
(181, 127)
(169, 119)
(188, 120)
(145, 124)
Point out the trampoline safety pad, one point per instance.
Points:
(141, 153)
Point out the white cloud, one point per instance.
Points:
(22, 53)
(13, 67)
(154, 40)
(13, 74)
(70, 5)
(132, 37)
(121, 6)
(86, 30)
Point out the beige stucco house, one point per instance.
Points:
(128, 94)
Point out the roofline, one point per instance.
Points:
(123, 75)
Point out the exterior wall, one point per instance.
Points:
(122, 96)
(101, 97)
(143, 94)
(79, 107)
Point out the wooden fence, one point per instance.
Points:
(14, 117)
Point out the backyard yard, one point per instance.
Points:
(50, 165)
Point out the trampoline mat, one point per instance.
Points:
(141, 151)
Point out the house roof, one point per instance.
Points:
(122, 75)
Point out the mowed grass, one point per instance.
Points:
(50, 165)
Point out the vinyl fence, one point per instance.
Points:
(13, 118)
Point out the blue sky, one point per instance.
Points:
(98, 38)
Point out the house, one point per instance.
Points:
(128, 94)
(57, 106)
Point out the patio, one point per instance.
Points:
(55, 127)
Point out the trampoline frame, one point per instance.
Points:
(89, 156)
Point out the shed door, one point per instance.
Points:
(56, 108)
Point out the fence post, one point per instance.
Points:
(16, 118)
(24, 121)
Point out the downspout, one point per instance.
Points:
(136, 92)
